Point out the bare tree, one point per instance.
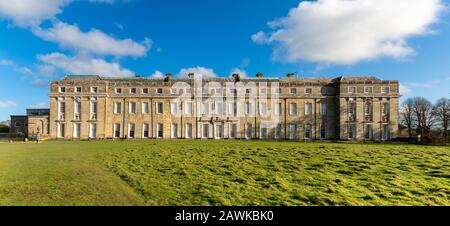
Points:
(423, 111)
(442, 112)
(407, 118)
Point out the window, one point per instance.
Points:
(174, 131)
(368, 132)
(131, 130)
(78, 89)
(248, 108)
(323, 109)
(93, 107)
(118, 90)
(116, 130)
(159, 90)
(292, 131)
(385, 90)
(94, 89)
(133, 90)
(248, 131)
(76, 130)
(145, 130)
(188, 108)
(277, 90)
(323, 131)
(188, 91)
(248, 91)
(188, 130)
(385, 109)
(205, 128)
(62, 111)
(293, 109)
(263, 109)
(92, 131)
(117, 108)
(218, 91)
(351, 108)
(174, 90)
(233, 131)
(308, 109)
(293, 90)
(352, 89)
(324, 90)
(308, 133)
(368, 109)
(277, 109)
(145, 91)
(278, 131)
(61, 130)
(205, 109)
(263, 91)
(308, 91)
(219, 131)
(145, 108)
(174, 108)
(352, 131)
(132, 108)
(62, 89)
(264, 133)
(386, 133)
(160, 130)
(232, 107)
(218, 108)
(77, 110)
(159, 108)
(368, 89)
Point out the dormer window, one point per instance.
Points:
(94, 89)
(145, 91)
(118, 90)
(293, 90)
(308, 91)
(62, 89)
(78, 89)
(133, 90)
(159, 90)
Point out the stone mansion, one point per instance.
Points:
(344, 108)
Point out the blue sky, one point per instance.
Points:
(47, 39)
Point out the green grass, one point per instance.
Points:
(223, 173)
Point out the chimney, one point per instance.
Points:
(168, 75)
(291, 75)
(191, 75)
(259, 75)
(138, 76)
(236, 77)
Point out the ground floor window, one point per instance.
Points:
(205, 130)
(76, 130)
(323, 132)
(188, 131)
(174, 131)
(131, 130)
(352, 131)
(61, 130)
(219, 131)
(278, 131)
(248, 131)
(233, 131)
(160, 130)
(308, 132)
(292, 132)
(93, 131)
(145, 131)
(264, 133)
(116, 130)
(386, 133)
(368, 132)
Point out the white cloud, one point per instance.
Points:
(7, 104)
(94, 41)
(15, 67)
(79, 65)
(404, 90)
(242, 73)
(206, 72)
(346, 32)
(6, 62)
(157, 74)
(30, 12)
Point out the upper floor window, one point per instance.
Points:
(145, 91)
(118, 90)
(292, 108)
(352, 89)
(132, 109)
(263, 91)
(174, 91)
(308, 91)
(159, 108)
(308, 109)
(385, 89)
(133, 91)
(277, 90)
(94, 89)
(248, 91)
(323, 108)
(174, 108)
(62, 89)
(293, 90)
(78, 89)
(117, 108)
(145, 108)
(277, 109)
(159, 90)
(368, 89)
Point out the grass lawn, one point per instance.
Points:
(222, 173)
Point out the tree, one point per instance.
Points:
(442, 112)
(423, 111)
(407, 116)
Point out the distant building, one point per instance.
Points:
(35, 122)
(346, 108)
